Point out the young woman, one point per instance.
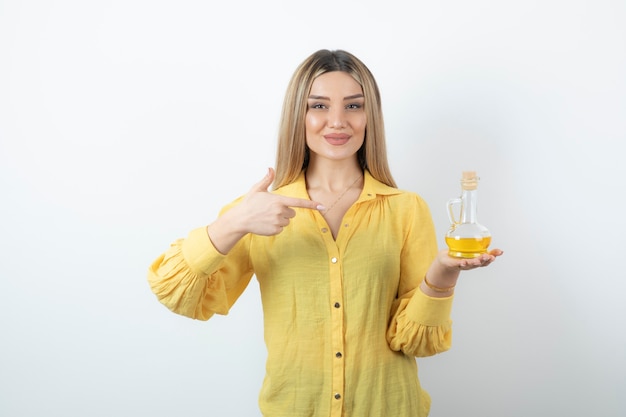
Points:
(352, 284)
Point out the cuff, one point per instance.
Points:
(430, 311)
(199, 252)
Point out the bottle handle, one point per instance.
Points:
(451, 203)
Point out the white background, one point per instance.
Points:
(126, 123)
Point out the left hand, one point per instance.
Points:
(465, 264)
(445, 270)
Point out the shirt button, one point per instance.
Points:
(338, 354)
(324, 230)
(333, 260)
(337, 305)
(337, 396)
(346, 225)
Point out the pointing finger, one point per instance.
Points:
(302, 203)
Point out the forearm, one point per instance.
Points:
(421, 325)
(440, 280)
(444, 272)
(180, 277)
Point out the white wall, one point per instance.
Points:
(124, 124)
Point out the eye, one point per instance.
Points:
(317, 106)
(354, 106)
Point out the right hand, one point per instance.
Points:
(263, 213)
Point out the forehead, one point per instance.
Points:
(335, 83)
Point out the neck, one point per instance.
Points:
(332, 175)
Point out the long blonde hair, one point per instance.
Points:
(292, 155)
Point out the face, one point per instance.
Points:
(335, 119)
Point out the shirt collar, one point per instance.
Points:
(371, 188)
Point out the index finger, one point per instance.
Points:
(301, 203)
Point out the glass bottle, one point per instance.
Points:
(466, 237)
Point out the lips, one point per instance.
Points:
(337, 138)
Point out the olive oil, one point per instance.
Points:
(467, 247)
(466, 238)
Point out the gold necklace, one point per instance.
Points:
(341, 196)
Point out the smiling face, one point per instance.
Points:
(335, 119)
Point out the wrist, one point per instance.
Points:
(232, 222)
(439, 289)
(224, 233)
(436, 290)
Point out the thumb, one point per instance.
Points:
(264, 184)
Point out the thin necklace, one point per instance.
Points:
(341, 196)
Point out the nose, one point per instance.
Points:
(336, 118)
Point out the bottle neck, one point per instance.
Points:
(470, 206)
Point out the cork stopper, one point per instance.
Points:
(469, 181)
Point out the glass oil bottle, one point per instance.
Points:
(466, 237)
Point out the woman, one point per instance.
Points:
(352, 286)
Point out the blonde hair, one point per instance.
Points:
(292, 155)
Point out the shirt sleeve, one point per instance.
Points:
(195, 280)
(420, 325)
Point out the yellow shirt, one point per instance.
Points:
(344, 319)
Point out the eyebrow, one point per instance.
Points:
(352, 97)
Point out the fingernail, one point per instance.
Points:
(320, 207)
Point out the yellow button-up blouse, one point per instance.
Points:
(344, 318)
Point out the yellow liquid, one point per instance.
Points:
(467, 247)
